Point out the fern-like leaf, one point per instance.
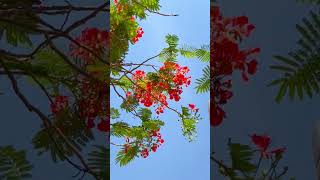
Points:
(203, 53)
(13, 164)
(203, 83)
(300, 69)
(99, 161)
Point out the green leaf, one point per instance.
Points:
(120, 129)
(123, 157)
(241, 156)
(144, 114)
(13, 164)
(171, 52)
(203, 83)
(99, 161)
(114, 113)
(188, 123)
(203, 53)
(74, 129)
(282, 92)
(299, 72)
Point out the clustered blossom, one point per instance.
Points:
(139, 34)
(168, 85)
(263, 143)
(92, 39)
(154, 142)
(226, 57)
(193, 108)
(60, 103)
(92, 104)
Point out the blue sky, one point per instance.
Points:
(177, 159)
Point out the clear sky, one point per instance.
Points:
(253, 109)
(177, 159)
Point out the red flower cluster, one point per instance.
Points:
(154, 91)
(226, 57)
(263, 143)
(193, 108)
(152, 144)
(93, 39)
(92, 104)
(139, 34)
(60, 103)
(156, 142)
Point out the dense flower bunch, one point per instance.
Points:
(92, 104)
(145, 147)
(156, 88)
(60, 103)
(227, 57)
(91, 39)
(263, 143)
(139, 34)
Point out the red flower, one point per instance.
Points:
(217, 116)
(155, 92)
(104, 126)
(93, 39)
(278, 151)
(144, 153)
(192, 106)
(263, 143)
(60, 103)
(252, 67)
(154, 147)
(227, 56)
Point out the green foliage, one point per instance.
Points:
(50, 69)
(99, 161)
(125, 83)
(49, 140)
(250, 163)
(188, 123)
(129, 104)
(17, 26)
(202, 53)
(152, 125)
(203, 83)
(300, 69)
(139, 7)
(114, 113)
(125, 29)
(119, 129)
(170, 53)
(125, 157)
(13, 164)
(241, 155)
(145, 114)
